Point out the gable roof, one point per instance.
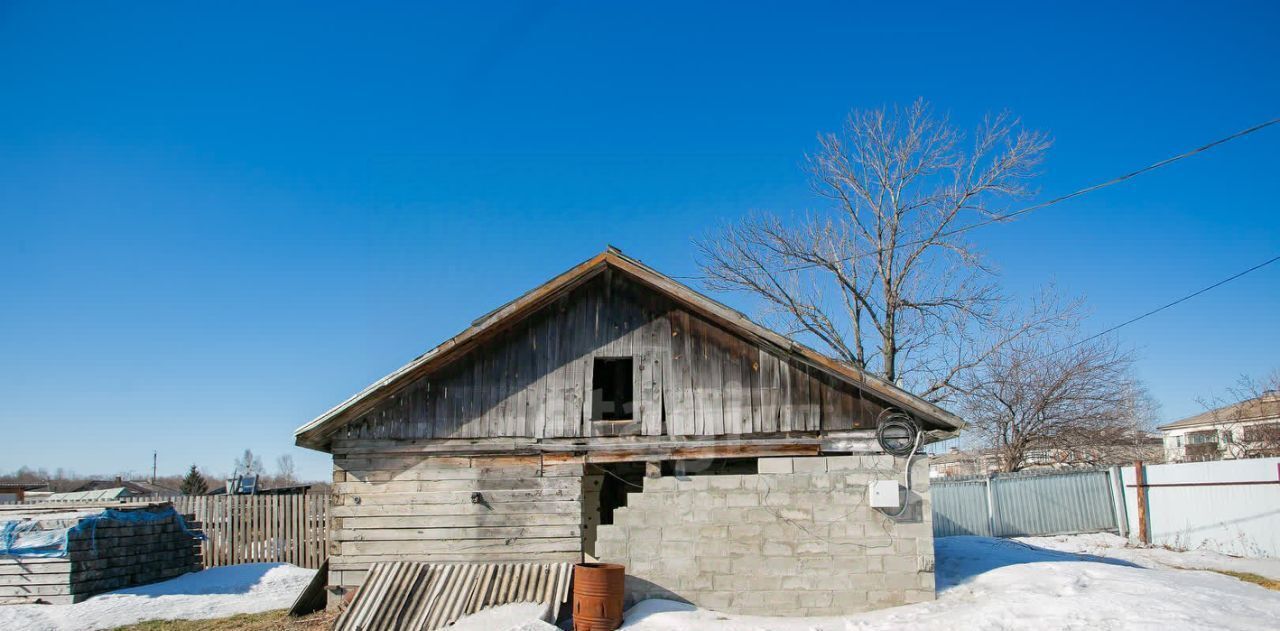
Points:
(315, 434)
(1262, 408)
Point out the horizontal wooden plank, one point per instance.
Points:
(31, 570)
(475, 547)
(463, 497)
(357, 562)
(497, 484)
(380, 472)
(459, 535)
(388, 510)
(487, 519)
(428, 469)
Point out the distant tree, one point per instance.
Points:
(1043, 396)
(1245, 421)
(285, 470)
(249, 464)
(194, 483)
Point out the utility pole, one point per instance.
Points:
(153, 466)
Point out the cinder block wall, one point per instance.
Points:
(797, 539)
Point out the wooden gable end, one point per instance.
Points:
(692, 377)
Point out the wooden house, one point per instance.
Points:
(521, 436)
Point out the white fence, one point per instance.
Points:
(1231, 506)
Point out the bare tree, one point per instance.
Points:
(285, 473)
(880, 277)
(249, 464)
(1040, 399)
(1246, 422)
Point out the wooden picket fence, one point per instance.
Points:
(249, 528)
(261, 528)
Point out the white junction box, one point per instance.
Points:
(883, 494)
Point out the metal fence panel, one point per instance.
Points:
(1024, 504)
(960, 508)
(1053, 504)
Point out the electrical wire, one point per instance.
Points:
(906, 477)
(1057, 200)
(1062, 198)
(1165, 306)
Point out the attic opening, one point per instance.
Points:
(612, 389)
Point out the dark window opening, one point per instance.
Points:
(611, 389)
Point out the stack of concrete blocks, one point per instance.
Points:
(796, 539)
(108, 556)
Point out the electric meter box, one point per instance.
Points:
(883, 494)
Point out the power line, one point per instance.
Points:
(1062, 198)
(1165, 306)
(1057, 200)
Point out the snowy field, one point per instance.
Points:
(1076, 582)
(213, 593)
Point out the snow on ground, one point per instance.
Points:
(212, 593)
(512, 617)
(1084, 582)
(989, 583)
(1116, 547)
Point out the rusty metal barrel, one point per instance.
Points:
(598, 589)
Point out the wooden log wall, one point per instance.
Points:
(692, 378)
(425, 509)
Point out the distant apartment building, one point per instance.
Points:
(1248, 429)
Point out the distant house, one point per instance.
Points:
(17, 492)
(1248, 429)
(1103, 450)
(126, 488)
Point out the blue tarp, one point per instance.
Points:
(49, 537)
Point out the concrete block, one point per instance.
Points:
(809, 465)
(901, 564)
(666, 483)
(900, 581)
(778, 548)
(774, 465)
(849, 601)
(725, 481)
(843, 463)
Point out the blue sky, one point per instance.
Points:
(215, 223)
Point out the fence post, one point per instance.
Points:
(991, 509)
(1116, 476)
(1140, 481)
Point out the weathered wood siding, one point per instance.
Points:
(692, 378)
(421, 509)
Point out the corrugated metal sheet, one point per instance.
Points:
(960, 508)
(404, 595)
(1053, 504)
(1024, 504)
